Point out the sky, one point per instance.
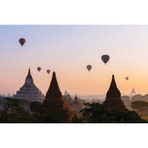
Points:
(67, 50)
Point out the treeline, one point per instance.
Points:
(127, 99)
(14, 112)
(138, 103)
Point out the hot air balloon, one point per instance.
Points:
(105, 58)
(22, 41)
(126, 78)
(39, 68)
(89, 67)
(48, 71)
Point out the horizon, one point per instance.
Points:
(67, 50)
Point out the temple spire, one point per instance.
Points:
(55, 104)
(29, 71)
(29, 91)
(133, 92)
(54, 89)
(29, 79)
(113, 96)
(113, 90)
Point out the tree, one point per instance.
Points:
(140, 106)
(36, 106)
(41, 115)
(98, 113)
(13, 106)
(14, 112)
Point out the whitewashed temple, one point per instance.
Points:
(29, 91)
(133, 92)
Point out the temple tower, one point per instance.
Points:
(55, 103)
(76, 104)
(29, 91)
(113, 97)
(133, 92)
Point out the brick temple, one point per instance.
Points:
(55, 104)
(113, 97)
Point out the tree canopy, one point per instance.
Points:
(140, 106)
(97, 113)
(92, 113)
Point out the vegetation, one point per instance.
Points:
(92, 113)
(41, 115)
(14, 113)
(140, 106)
(97, 113)
(139, 97)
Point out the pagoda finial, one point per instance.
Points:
(29, 70)
(54, 74)
(113, 77)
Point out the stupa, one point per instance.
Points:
(29, 91)
(133, 92)
(77, 104)
(68, 99)
(55, 104)
(113, 97)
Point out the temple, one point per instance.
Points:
(68, 99)
(55, 104)
(113, 97)
(77, 105)
(29, 91)
(133, 92)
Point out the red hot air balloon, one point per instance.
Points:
(39, 68)
(48, 71)
(89, 67)
(105, 58)
(22, 41)
(126, 78)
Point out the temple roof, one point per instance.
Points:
(113, 97)
(29, 80)
(65, 93)
(113, 90)
(54, 102)
(75, 98)
(29, 91)
(29, 75)
(54, 89)
(133, 92)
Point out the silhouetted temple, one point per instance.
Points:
(55, 103)
(113, 97)
(77, 104)
(29, 91)
(68, 99)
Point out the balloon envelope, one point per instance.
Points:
(38, 68)
(48, 71)
(89, 67)
(22, 41)
(105, 58)
(126, 78)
